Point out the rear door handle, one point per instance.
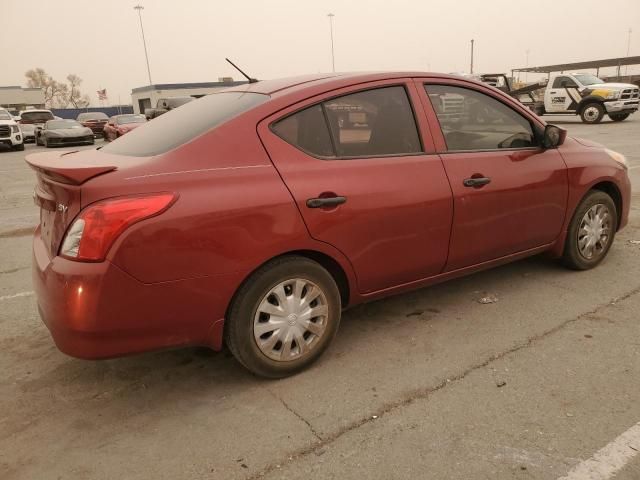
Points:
(325, 202)
(476, 181)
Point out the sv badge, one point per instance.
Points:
(63, 208)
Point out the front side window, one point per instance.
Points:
(471, 120)
(371, 123)
(564, 82)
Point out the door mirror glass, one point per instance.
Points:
(553, 136)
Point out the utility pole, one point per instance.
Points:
(139, 8)
(526, 65)
(626, 67)
(471, 70)
(333, 60)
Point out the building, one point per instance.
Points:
(148, 96)
(19, 98)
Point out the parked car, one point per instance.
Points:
(259, 219)
(93, 120)
(166, 104)
(30, 119)
(118, 125)
(10, 133)
(63, 132)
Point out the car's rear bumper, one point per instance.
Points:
(97, 310)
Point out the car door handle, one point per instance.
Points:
(553, 91)
(476, 181)
(325, 202)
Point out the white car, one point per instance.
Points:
(31, 119)
(10, 133)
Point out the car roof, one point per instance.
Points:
(327, 81)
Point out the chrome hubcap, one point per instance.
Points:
(591, 113)
(594, 231)
(290, 320)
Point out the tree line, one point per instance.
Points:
(58, 94)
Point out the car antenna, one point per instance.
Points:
(251, 80)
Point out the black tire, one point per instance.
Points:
(592, 113)
(572, 257)
(239, 325)
(18, 148)
(618, 117)
(45, 143)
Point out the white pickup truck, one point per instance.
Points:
(590, 97)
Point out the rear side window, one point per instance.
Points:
(37, 117)
(471, 120)
(183, 124)
(307, 130)
(371, 123)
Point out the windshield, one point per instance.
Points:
(83, 117)
(124, 119)
(58, 124)
(587, 79)
(36, 117)
(4, 115)
(183, 124)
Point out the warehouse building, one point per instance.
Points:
(19, 98)
(148, 96)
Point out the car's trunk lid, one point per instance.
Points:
(58, 190)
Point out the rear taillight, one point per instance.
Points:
(91, 234)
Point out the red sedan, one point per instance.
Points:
(277, 204)
(118, 125)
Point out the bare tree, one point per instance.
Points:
(38, 78)
(74, 95)
(58, 94)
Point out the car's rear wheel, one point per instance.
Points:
(591, 232)
(283, 317)
(45, 143)
(619, 116)
(19, 147)
(592, 113)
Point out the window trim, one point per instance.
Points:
(534, 129)
(321, 102)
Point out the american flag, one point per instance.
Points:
(102, 94)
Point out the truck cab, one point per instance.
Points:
(590, 97)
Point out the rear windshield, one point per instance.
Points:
(83, 117)
(58, 124)
(37, 117)
(124, 119)
(183, 124)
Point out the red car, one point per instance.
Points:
(93, 120)
(118, 125)
(277, 204)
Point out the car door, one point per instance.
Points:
(510, 194)
(361, 167)
(562, 96)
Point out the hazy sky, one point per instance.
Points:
(188, 39)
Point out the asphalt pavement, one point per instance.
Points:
(541, 384)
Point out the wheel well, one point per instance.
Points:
(611, 189)
(333, 267)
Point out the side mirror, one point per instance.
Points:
(553, 136)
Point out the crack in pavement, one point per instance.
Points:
(286, 405)
(423, 393)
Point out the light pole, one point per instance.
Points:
(139, 8)
(333, 60)
(526, 65)
(471, 72)
(626, 67)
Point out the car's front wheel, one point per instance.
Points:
(592, 113)
(19, 147)
(283, 317)
(591, 232)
